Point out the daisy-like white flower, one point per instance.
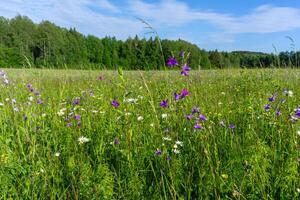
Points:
(131, 100)
(176, 151)
(140, 118)
(167, 138)
(164, 116)
(83, 140)
(179, 143)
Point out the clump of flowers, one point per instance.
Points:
(4, 77)
(184, 93)
(83, 140)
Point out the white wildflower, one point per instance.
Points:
(165, 115)
(30, 98)
(223, 93)
(95, 111)
(7, 99)
(179, 143)
(298, 133)
(131, 100)
(128, 114)
(290, 93)
(298, 190)
(57, 154)
(61, 112)
(140, 97)
(175, 146)
(176, 151)
(140, 118)
(83, 140)
(167, 138)
(152, 125)
(44, 115)
(1, 104)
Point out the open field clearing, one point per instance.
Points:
(215, 134)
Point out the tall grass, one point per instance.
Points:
(41, 157)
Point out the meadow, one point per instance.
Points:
(215, 134)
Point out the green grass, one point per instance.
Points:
(41, 158)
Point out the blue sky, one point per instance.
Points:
(211, 24)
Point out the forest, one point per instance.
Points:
(24, 43)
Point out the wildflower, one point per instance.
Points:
(25, 117)
(79, 124)
(61, 112)
(91, 93)
(140, 118)
(198, 126)
(57, 154)
(77, 117)
(39, 101)
(271, 99)
(158, 152)
(1, 104)
(267, 107)
(176, 151)
(152, 125)
(16, 109)
(127, 114)
(298, 133)
(290, 93)
(165, 115)
(169, 158)
(195, 110)
(76, 101)
(115, 103)
(13, 101)
(277, 113)
(189, 117)
(185, 70)
(172, 62)
(202, 117)
(100, 77)
(167, 138)
(222, 123)
(116, 141)
(83, 140)
(69, 124)
(30, 98)
(176, 96)
(179, 143)
(231, 126)
(164, 103)
(293, 118)
(131, 100)
(184, 93)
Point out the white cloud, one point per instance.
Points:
(102, 17)
(264, 19)
(71, 13)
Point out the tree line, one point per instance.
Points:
(45, 45)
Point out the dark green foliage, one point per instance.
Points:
(24, 43)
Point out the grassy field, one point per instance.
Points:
(109, 135)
